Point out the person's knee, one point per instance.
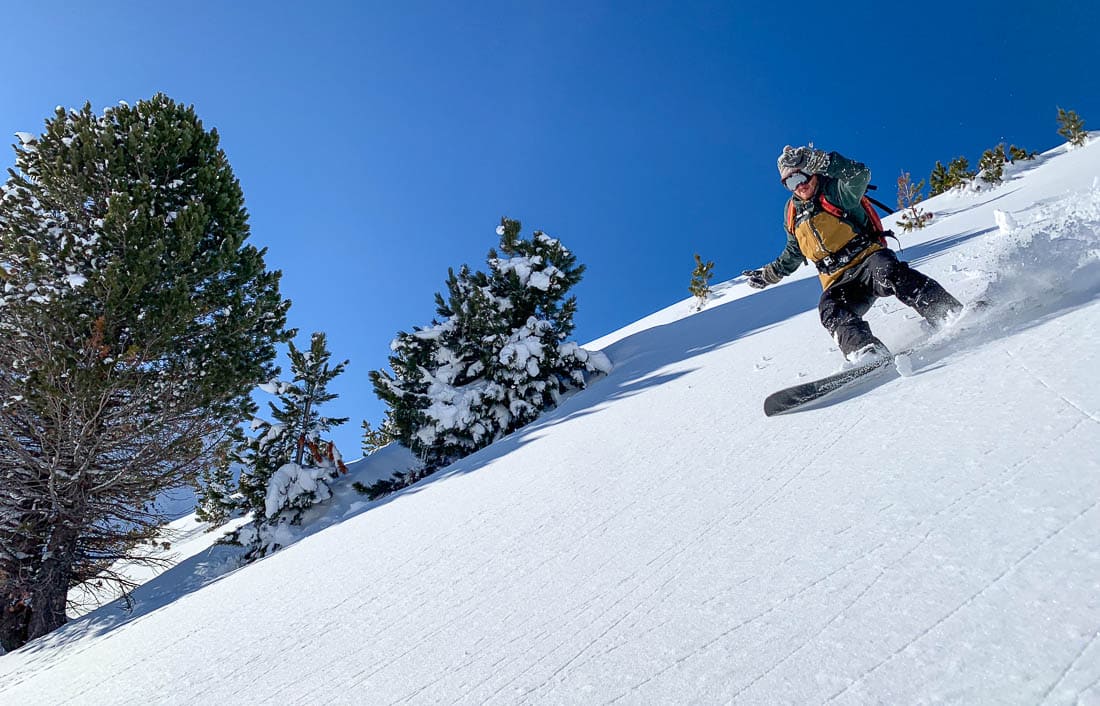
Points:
(888, 267)
(828, 310)
(834, 314)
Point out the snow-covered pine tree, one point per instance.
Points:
(495, 358)
(534, 362)
(271, 445)
(991, 166)
(459, 389)
(1072, 127)
(404, 388)
(217, 489)
(134, 320)
(959, 172)
(1017, 154)
(289, 462)
(700, 281)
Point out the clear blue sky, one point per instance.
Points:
(378, 143)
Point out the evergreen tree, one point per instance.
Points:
(302, 399)
(216, 503)
(938, 181)
(959, 172)
(1016, 154)
(1072, 127)
(700, 281)
(496, 356)
(298, 423)
(289, 462)
(374, 439)
(272, 445)
(134, 320)
(404, 388)
(992, 164)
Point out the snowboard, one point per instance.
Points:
(796, 396)
(793, 397)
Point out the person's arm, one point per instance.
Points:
(850, 180)
(788, 261)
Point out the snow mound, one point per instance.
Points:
(1054, 254)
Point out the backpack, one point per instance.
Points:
(873, 228)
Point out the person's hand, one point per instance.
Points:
(758, 279)
(804, 159)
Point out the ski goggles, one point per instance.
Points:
(794, 180)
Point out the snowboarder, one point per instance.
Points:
(829, 223)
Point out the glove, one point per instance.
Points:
(803, 159)
(758, 279)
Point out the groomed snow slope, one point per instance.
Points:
(658, 540)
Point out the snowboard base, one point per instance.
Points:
(793, 397)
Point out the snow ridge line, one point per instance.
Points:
(665, 558)
(844, 609)
(980, 490)
(473, 657)
(1069, 668)
(973, 597)
(770, 609)
(1089, 687)
(1084, 412)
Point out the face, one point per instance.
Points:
(806, 190)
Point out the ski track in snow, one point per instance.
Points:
(1069, 668)
(980, 490)
(997, 579)
(1038, 378)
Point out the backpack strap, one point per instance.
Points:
(873, 227)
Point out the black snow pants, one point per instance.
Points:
(844, 304)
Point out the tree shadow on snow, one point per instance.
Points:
(994, 194)
(184, 578)
(921, 252)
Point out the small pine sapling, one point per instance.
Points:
(1072, 127)
(943, 179)
(374, 439)
(700, 281)
(992, 165)
(959, 172)
(218, 500)
(909, 196)
(1019, 154)
(938, 181)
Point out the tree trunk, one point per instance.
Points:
(15, 618)
(51, 589)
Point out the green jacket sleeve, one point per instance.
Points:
(848, 182)
(789, 260)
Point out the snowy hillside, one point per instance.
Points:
(934, 538)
